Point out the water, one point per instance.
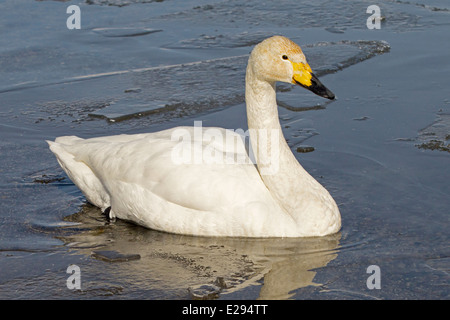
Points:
(381, 148)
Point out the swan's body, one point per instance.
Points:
(143, 179)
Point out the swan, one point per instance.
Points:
(165, 180)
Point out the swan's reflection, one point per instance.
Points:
(176, 262)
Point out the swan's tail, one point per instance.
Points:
(80, 173)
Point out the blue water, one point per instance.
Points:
(381, 148)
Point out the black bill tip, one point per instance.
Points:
(318, 88)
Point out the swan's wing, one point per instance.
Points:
(179, 164)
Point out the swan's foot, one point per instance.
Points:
(109, 214)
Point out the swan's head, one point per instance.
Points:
(280, 59)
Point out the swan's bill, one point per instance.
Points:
(304, 77)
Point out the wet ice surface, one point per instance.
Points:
(437, 135)
(381, 148)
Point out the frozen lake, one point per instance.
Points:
(381, 148)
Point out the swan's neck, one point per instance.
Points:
(290, 184)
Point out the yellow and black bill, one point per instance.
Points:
(304, 77)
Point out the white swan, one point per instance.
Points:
(148, 178)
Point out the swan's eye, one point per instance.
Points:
(285, 57)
